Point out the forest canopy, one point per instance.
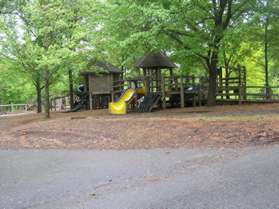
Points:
(44, 43)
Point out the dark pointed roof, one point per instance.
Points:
(100, 67)
(155, 61)
(105, 66)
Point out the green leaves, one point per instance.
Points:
(59, 35)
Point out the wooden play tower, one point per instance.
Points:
(162, 82)
(154, 66)
(99, 79)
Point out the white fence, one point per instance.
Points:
(10, 108)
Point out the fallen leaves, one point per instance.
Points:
(166, 129)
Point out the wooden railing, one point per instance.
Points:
(262, 93)
(244, 93)
(228, 89)
(11, 108)
(60, 103)
(119, 85)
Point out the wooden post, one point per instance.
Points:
(227, 82)
(171, 80)
(146, 82)
(112, 96)
(240, 95)
(12, 107)
(158, 80)
(220, 85)
(239, 84)
(199, 96)
(154, 81)
(182, 102)
(177, 86)
(144, 72)
(244, 83)
(71, 88)
(171, 72)
(164, 105)
(147, 86)
(90, 101)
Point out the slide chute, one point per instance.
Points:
(120, 107)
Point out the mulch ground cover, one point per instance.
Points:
(229, 126)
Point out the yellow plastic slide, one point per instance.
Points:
(120, 107)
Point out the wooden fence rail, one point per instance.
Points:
(13, 107)
(191, 88)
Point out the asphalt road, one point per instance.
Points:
(143, 179)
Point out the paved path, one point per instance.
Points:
(153, 179)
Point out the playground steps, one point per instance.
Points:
(149, 103)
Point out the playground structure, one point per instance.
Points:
(164, 88)
(168, 91)
(161, 86)
(99, 84)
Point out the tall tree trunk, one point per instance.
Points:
(71, 88)
(212, 66)
(267, 90)
(211, 98)
(47, 103)
(39, 96)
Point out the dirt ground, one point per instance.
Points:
(221, 126)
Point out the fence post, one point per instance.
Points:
(244, 83)
(240, 96)
(12, 107)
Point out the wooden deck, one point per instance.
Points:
(193, 90)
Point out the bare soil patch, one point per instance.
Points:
(223, 126)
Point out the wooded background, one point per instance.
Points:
(44, 43)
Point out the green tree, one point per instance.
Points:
(50, 42)
(195, 28)
(264, 35)
(20, 49)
